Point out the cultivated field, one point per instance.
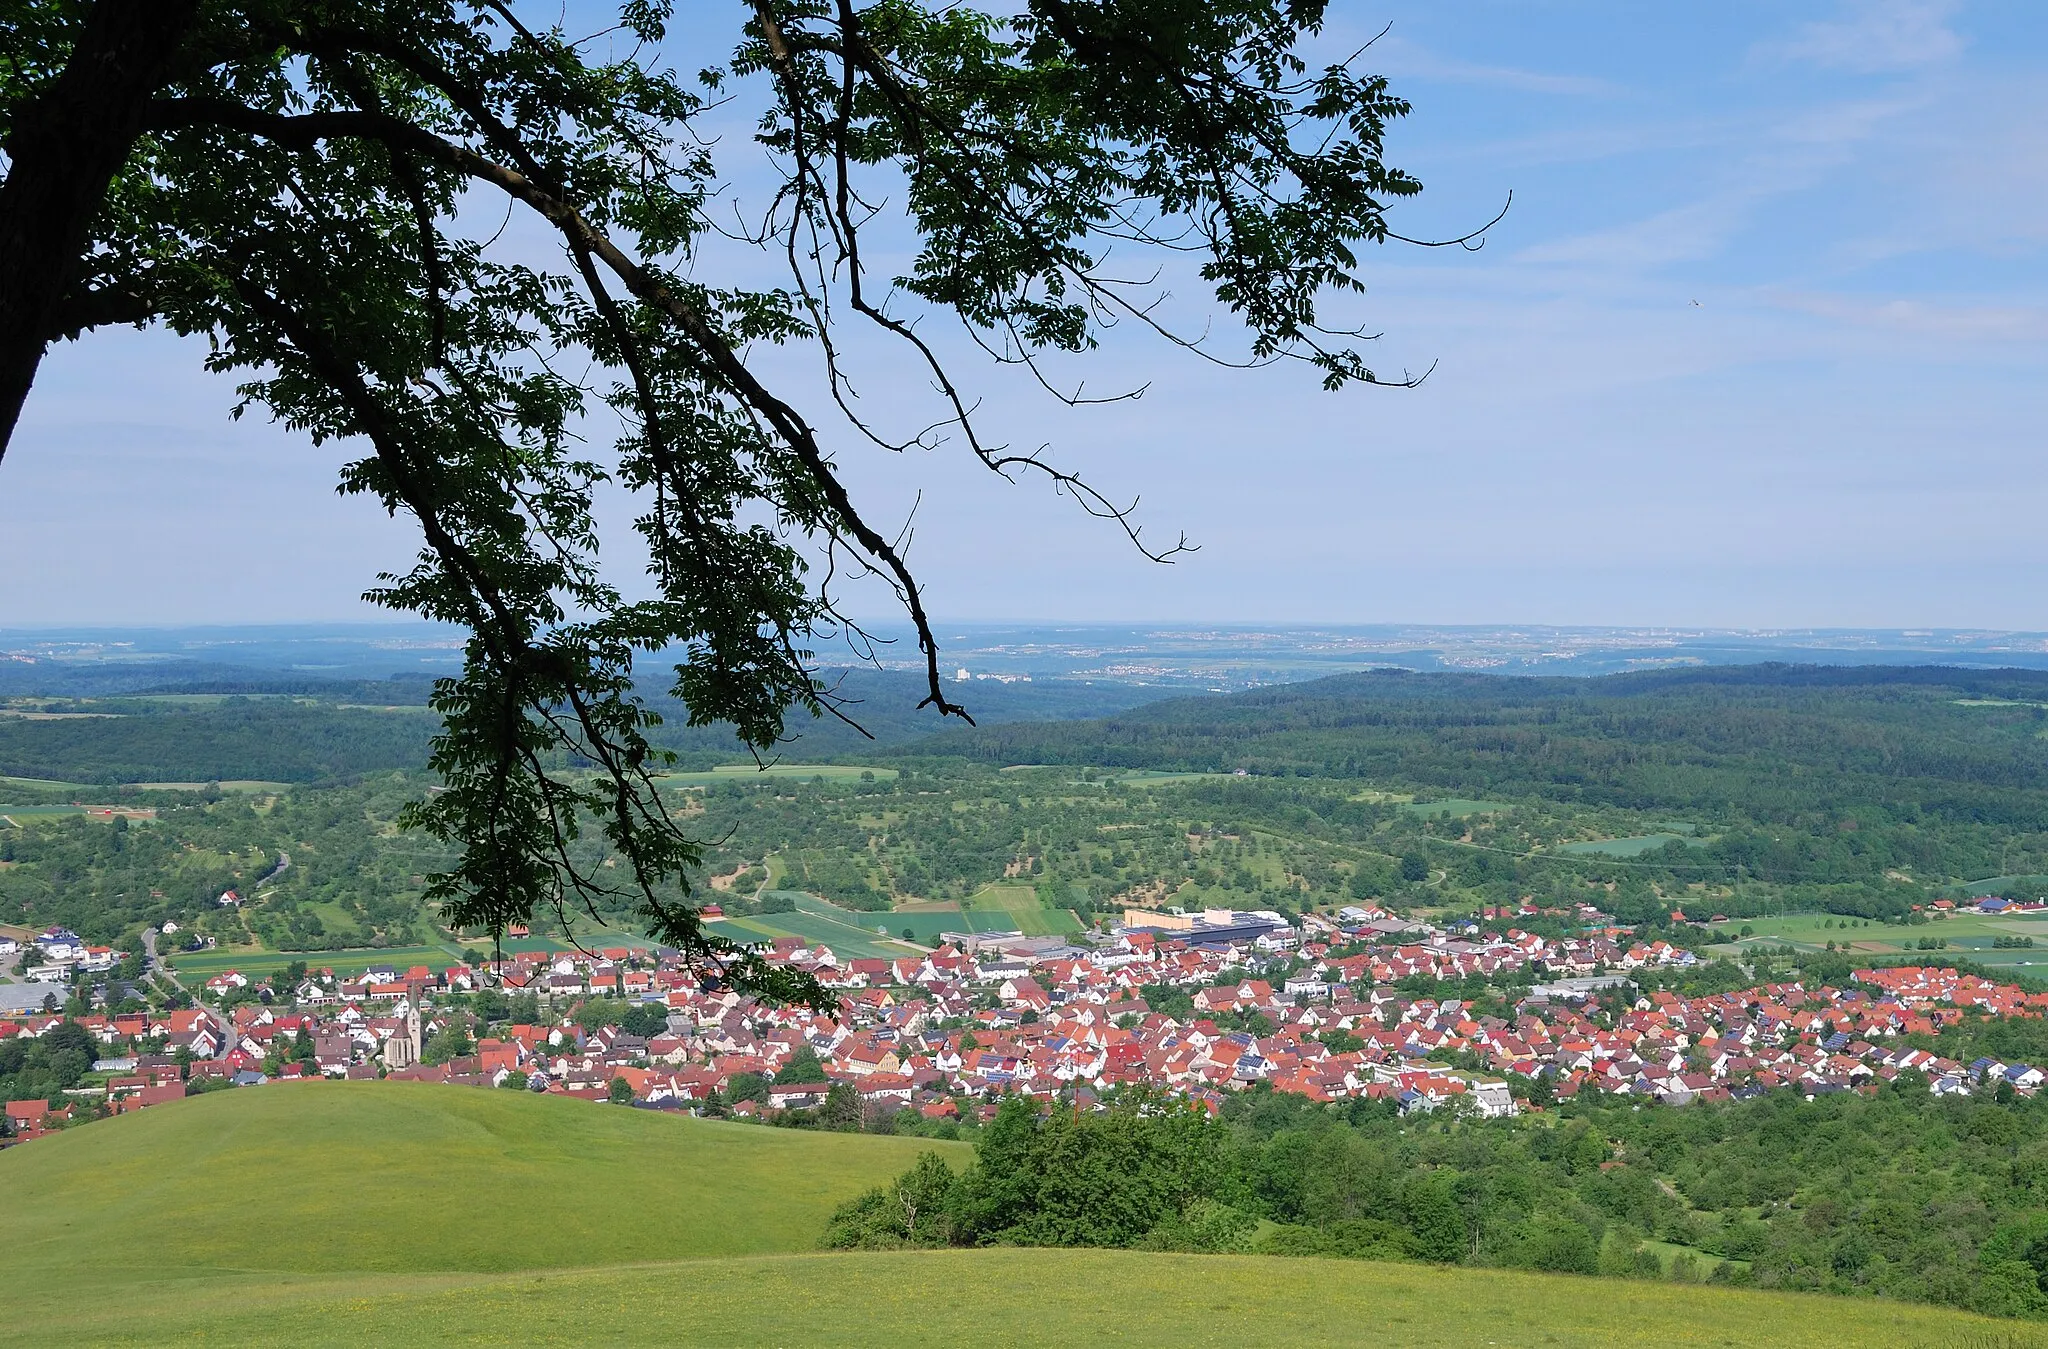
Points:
(1621, 847)
(1970, 936)
(853, 934)
(203, 965)
(1457, 807)
(749, 772)
(388, 1214)
(1000, 908)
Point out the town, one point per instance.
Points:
(1346, 1005)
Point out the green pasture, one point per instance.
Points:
(1620, 847)
(41, 784)
(251, 786)
(1143, 777)
(1137, 777)
(199, 966)
(850, 935)
(205, 699)
(407, 1214)
(1051, 1298)
(23, 814)
(925, 924)
(1003, 908)
(1970, 936)
(395, 1177)
(1458, 807)
(750, 772)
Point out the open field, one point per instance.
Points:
(851, 935)
(1133, 776)
(1620, 847)
(1970, 936)
(1036, 1297)
(21, 814)
(597, 939)
(1458, 807)
(255, 961)
(203, 965)
(324, 1177)
(249, 785)
(749, 772)
(41, 784)
(999, 908)
(401, 1214)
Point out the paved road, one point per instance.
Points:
(149, 936)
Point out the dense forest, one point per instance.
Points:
(208, 737)
(1902, 1194)
(295, 729)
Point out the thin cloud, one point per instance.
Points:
(1948, 322)
(1401, 58)
(1875, 37)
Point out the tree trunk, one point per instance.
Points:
(65, 148)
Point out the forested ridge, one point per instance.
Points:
(272, 739)
(296, 729)
(1780, 737)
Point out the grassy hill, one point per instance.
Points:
(406, 1214)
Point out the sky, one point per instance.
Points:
(1759, 343)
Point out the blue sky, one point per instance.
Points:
(1761, 342)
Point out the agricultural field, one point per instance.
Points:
(194, 967)
(1457, 808)
(249, 786)
(20, 814)
(725, 773)
(39, 784)
(1621, 847)
(850, 935)
(368, 1232)
(871, 934)
(1008, 908)
(1970, 936)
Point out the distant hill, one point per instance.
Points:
(270, 739)
(1940, 737)
(152, 723)
(397, 1214)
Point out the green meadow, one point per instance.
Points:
(1621, 847)
(1000, 908)
(406, 1214)
(830, 772)
(1456, 807)
(1970, 936)
(853, 934)
(203, 965)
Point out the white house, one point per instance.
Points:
(60, 945)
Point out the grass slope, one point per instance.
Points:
(328, 1177)
(1009, 1297)
(406, 1214)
